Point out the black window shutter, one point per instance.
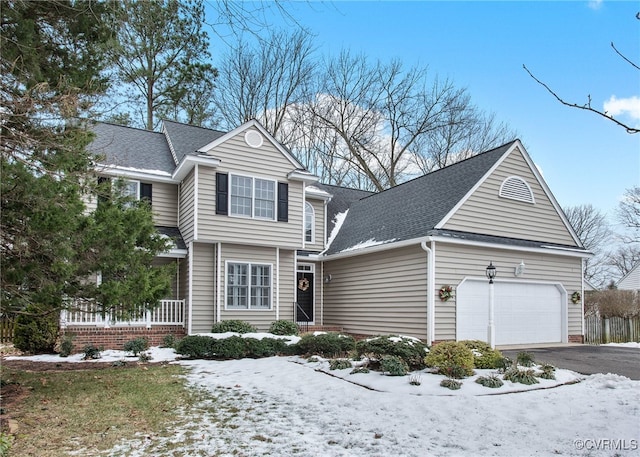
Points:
(222, 193)
(145, 191)
(104, 190)
(283, 202)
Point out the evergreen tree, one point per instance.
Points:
(52, 64)
(160, 61)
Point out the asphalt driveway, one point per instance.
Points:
(587, 359)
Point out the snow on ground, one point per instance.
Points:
(286, 406)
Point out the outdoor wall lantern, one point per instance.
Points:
(491, 272)
(491, 331)
(327, 279)
(519, 269)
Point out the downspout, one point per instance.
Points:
(431, 279)
(190, 294)
(582, 261)
(277, 283)
(218, 279)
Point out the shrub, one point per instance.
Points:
(548, 372)
(325, 344)
(66, 347)
(233, 347)
(484, 357)
(491, 381)
(283, 327)
(235, 326)
(514, 374)
(451, 384)
(339, 364)
(362, 369)
(445, 356)
(169, 341)
(91, 352)
(393, 365)
(36, 331)
(504, 364)
(136, 346)
(411, 350)
(266, 347)
(196, 347)
(144, 357)
(454, 372)
(525, 359)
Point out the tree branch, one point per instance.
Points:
(587, 106)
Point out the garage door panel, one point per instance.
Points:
(524, 312)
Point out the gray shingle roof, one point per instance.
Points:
(342, 198)
(410, 210)
(187, 139)
(130, 147)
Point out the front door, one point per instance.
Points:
(304, 297)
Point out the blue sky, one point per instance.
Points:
(482, 46)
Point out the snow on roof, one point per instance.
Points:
(338, 220)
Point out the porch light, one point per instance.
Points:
(491, 272)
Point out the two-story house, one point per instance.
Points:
(258, 238)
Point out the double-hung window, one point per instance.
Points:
(253, 197)
(248, 286)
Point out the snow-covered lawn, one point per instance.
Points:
(285, 406)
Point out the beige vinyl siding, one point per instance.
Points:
(203, 297)
(230, 229)
(187, 207)
(319, 209)
(164, 202)
(283, 279)
(383, 292)
(487, 213)
(456, 262)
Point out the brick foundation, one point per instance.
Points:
(576, 339)
(115, 337)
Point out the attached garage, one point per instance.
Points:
(524, 312)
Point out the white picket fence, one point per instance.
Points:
(88, 314)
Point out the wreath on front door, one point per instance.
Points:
(303, 284)
(575, 297)
(445, 293)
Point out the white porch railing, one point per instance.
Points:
(168, 312)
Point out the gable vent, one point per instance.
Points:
(516, 188)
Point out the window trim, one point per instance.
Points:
(253, 197)
(249, 286)
(313, 223)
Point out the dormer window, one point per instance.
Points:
(516, 188)
(309, 223)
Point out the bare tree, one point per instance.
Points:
(395, 123)
(624, 259)
(591, 227)
(261, 82)
(628, 212)
(587, 106)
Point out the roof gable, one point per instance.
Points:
(488, 209)
(410, 210)
(246, 127)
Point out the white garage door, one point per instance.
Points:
(525, 313)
